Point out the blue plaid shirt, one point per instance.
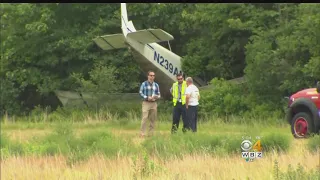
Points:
(148, 89)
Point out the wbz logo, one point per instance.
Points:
(252, 155)
(250, 151)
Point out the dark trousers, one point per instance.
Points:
(178, 111)
(192, 114)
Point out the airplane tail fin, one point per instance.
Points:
(113, 41)
(117, 41)
(124, 19)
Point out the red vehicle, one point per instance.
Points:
(304, 112)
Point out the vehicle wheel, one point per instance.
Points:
(302, 125)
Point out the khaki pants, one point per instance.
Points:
(149, 111)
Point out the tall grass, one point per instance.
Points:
(63, 140)
(131, 111)
(224, 137)
(314, 143)
(298, 173)
(79, 135)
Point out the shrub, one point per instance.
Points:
(276, 141)
(10, 147)
(61, 141)
(163, 146)
(180, 144)
(295, 173)
(106, 143)
(4, 140)
(226, 98)
(314, 143)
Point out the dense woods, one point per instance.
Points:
(45, 47)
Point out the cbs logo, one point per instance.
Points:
(246, 145)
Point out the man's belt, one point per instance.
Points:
(150, 101)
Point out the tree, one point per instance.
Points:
(43, 44)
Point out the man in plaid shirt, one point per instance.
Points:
(150, 93)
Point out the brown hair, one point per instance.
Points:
(150, 72)
(179, 74)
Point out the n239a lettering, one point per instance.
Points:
(165, 63)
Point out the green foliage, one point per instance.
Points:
(10, 148)
(314, 143)
(295, 173)
(225, 98)
(215, 53)
(107, 144)
(64, 141)
(9, 94)
(55, 41)
(4, 140)
(282, 60)
(181, 144)
(276, 142)
(45, 47)
(102, 82)
(143, 166)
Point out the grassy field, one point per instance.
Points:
(112, 149)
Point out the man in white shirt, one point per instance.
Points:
(192, 102)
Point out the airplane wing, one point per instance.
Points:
(150, 36)
(107, 42)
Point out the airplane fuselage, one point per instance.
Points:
(147, 52)
(161, 57)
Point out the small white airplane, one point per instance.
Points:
(147, 52)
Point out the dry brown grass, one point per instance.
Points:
(23, 135)
(189, 167)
